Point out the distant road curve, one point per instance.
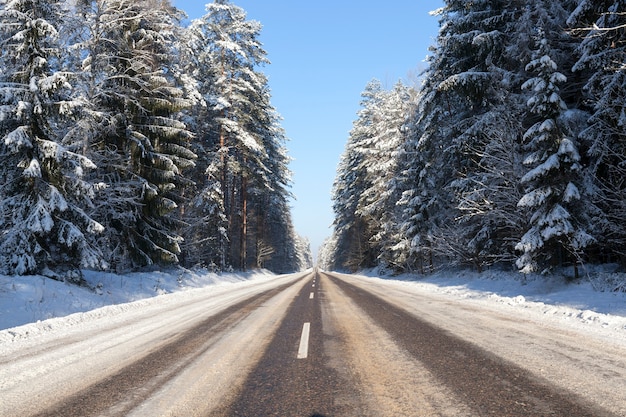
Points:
(315, 344)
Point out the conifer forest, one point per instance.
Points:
(510, 151)
(130, 140)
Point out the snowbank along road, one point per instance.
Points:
(314, 344)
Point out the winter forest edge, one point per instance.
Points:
(510, 153)
(129, 140)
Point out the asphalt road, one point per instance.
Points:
(320, 345)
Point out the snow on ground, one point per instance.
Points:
(594, 304)
(590, 304)
(31, 299)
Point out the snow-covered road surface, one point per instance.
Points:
(234, 350)
(591, 365)
(37, 372)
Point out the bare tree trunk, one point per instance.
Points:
(228, 199)
(244, 224)
(260, 233)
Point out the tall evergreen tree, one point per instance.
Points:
(557, 224)
(271, 225)
(42, 217)
(353, 230)
(464, 86)
(377, 203)
(206, 233)
(602, 51)
(136, 131)
(227, 45)
(120, 83)
(486, 187)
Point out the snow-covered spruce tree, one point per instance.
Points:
(558, 226)
(487, 222)
(137, 139)
(459, 87)
(461, 207)
(422, 197)
(473, 88)
(397, 249)
(353, 231)
(44, 195)
(602, 26)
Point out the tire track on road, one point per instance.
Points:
(284, 385)
(486, 383)
(131, 385)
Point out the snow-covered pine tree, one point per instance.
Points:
(228, 50)
(206, 225)
(206, 239)
(137, 138)
(602, 25)
(44, 194)
(377, 203)
(223, 52)
(270, 217)
(557, 226)
(305, 257)
(326, 257)
(277, 235)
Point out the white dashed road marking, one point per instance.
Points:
(303, 350)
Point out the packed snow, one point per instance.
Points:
(594, 304)
(37, 300)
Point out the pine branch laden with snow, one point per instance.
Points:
(44, 226)
(131, 50)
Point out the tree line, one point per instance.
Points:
(130, 140)
(510, 152)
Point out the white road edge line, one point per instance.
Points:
(303, 350)
(311, 296)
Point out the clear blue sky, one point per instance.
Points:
(323, 54)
